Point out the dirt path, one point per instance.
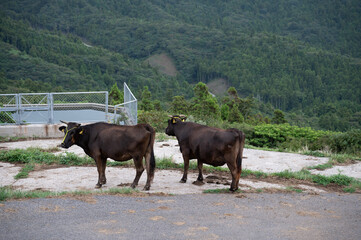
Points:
(166, 181)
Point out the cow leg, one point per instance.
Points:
(200, 174)
(150, 167)
(235, 176)
(103, 179)
(139, 170)
(186, 166)
(101, 163)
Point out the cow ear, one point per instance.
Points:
(62, 128)
(81, 131)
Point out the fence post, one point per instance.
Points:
(50, 108)
(17, 97)
(106, 107)
(20, 110)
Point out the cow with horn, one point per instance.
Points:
(208, 145)
(120, 143)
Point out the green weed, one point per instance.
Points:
(7, 193)
(293, 189)
(24, 172)
(222, 190)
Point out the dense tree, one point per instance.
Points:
(115, 95)
(146, 101)
(204, 105)
(179, 105)
(279, 117)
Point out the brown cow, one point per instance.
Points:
(208, 145)
(120, 143)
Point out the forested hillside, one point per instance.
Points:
(302, 57)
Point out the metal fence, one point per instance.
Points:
(126, 112)
(50, 108)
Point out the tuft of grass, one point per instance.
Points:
(129, 163)
(293, 189)
(315, 153)
(162, 137)
(125, 190)
(222, 190)
(166, 163)
(349, 189)
(322, 166)
(11, 139)
(24, 172)
(344, 158)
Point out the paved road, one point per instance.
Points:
(197, 216)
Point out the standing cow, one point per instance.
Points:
(208, 145)
(120, 143)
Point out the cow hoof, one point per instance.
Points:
(98, 185)
(133, 186)
(183, 181)
(233, 189)
(146, 188)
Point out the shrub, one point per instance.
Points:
(284, 136)
(157, 119)
(348, 142)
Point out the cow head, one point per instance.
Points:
(172, 122)
(70, 131)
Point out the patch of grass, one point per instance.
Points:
(344, 158)
(222, 190)
(322, 166)
(212, 169)
(7, 193)
(128, 163)
(302, 175)
(349, 189)
(162, 137)
(32, 156)
(125, 190)
(338, 179)
(166, 163)
(71, 159)
(293, 189)
(285, 174)
(24, 172)
(11, 139)
(39, 156)
(315, 153)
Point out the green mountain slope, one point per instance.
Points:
(300, 56)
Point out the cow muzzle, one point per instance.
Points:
(63, 145)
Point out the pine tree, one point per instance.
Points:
(116, 96)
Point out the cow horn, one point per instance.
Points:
(64, 122)
(170, 116)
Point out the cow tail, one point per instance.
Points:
(242, 138)
(151, 146)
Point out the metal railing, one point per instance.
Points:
(126, 112)
(50, 108)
